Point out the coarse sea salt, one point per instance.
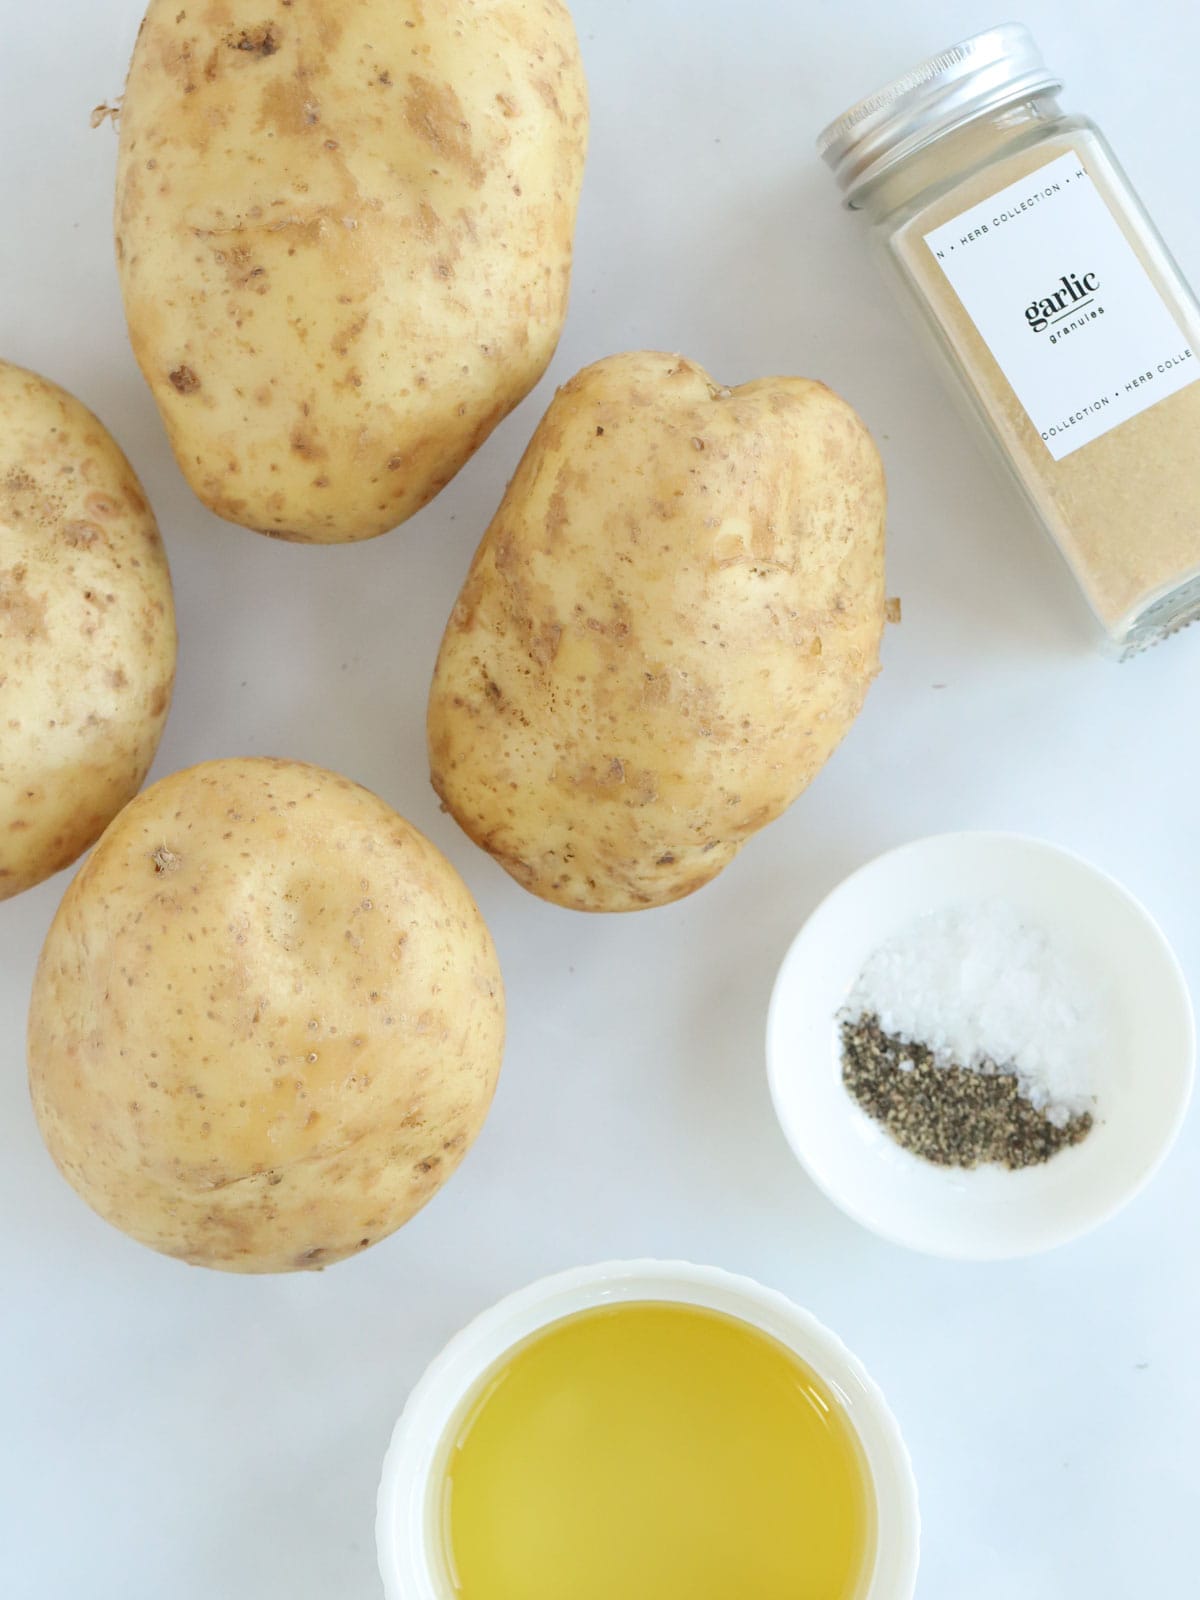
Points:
(985, 988)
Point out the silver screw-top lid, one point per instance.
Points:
(984, 73)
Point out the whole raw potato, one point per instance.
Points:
(87, 630)
(267, 1021)
(344, 234)
(668, 627)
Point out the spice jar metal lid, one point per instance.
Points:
(992, 69)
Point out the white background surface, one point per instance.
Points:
(172, 1434)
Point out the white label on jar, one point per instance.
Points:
(1047, 276)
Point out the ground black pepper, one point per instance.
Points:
(951, 1115)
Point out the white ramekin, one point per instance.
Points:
(408, 1521)
(1141, 1071)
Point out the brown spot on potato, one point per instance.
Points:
(176, 60)
(435, 113)
(261, 40)
(345, 337)
(304, 445)
(21, 613)
(286, 106)
(184, 380)
(544, 643)
(81, 534)
(241, 269)
(546, 89)
(24, 500)
(556, 515)
(18, 481)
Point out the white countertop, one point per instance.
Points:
(173, 1434)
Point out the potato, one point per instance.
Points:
(267, 1020)
(344, 236)
(87, 630)
(668, 627)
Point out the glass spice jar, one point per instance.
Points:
(1045, 284)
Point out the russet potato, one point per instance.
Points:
(344, 233)
(267, 1020)
(668, 627)
(87, 630)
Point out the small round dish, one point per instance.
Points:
(409, 1517)
(1143, 1077)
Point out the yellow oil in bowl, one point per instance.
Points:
(656, 1451)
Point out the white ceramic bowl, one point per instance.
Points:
(1143, 1077)
(408, 1525)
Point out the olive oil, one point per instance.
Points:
(656, 1451)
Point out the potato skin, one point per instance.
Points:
(87, 630)
(344, 233)
(267, 1021)
(668, 627)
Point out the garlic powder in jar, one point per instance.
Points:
(1046, 286)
